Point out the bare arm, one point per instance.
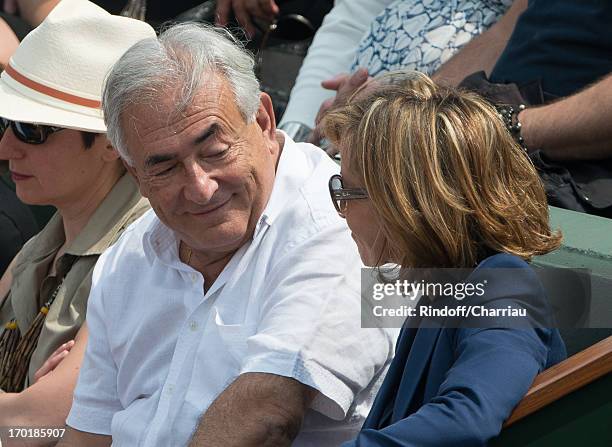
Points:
(574, 128)
(482, 52)
(35, 11)
(76, 438)
(256, 410)
(47, 402)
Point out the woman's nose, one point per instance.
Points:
(10, 146)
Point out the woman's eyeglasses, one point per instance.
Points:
(339, 194)
(28, 133)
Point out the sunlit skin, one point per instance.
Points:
(362, 220)
(207, 173)
(62, 173)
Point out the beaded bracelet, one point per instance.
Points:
(509, 116)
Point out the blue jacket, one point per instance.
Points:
(456, 386)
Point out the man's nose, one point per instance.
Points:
(10, 146)
(199, 187)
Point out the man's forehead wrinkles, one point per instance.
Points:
(178, 124)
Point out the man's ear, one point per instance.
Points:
(265, 116)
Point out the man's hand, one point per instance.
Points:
(256, 410)
(32, 11)
(345, 85)
(245, 10)
(54, 359)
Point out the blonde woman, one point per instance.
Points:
(431, 178)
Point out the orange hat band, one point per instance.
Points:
(63, 96)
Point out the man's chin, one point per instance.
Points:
(214, 239)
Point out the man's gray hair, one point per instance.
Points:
(176, 63)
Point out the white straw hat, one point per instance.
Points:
(56, 75)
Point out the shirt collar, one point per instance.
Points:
(161, 242)
(48, 241)
(101, 229)
(291, 173)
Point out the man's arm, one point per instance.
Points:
(256, 410)
(482, 52)
(76, 438)
(574, 128)
(244, 11)
(47, 402)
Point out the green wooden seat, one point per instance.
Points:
(571, 403)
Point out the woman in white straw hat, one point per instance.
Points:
(53, 137)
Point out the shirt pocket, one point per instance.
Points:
(234, 336)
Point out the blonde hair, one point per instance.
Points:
(446, 179)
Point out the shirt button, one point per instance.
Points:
(193, 326)
(194, 277)
(170, 389)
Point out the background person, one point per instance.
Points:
(456, 192)
(53, 137)
(381, 36)
(556, 62)
(567, 128)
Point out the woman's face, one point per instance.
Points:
(56, 172)
(363, 222)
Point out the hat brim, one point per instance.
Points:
(17, 107)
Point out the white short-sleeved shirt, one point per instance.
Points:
(160, 350)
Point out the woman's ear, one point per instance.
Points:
(109, 153)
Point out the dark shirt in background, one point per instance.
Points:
(17, 225)
(566, 44)
(158, 11)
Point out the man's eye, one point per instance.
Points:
(164, 172)
(218, 154)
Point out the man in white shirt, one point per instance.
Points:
(229, 316)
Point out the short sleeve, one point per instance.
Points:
(95, 399)
(310, 328)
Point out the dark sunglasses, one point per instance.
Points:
(28, 133)
(339, 194)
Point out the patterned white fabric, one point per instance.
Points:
(423, 34)
(382, 35)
